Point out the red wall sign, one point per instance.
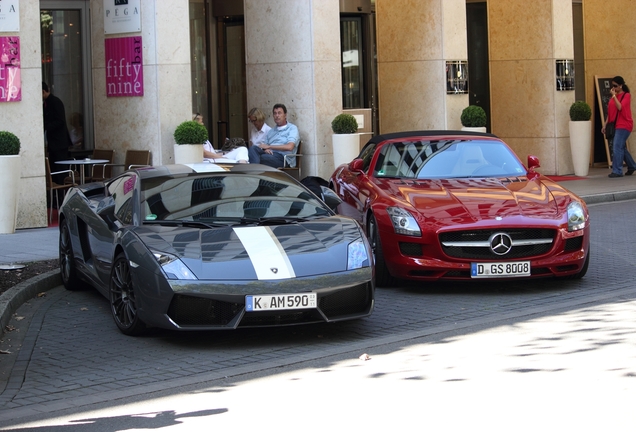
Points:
(10, 84)
(124, 67)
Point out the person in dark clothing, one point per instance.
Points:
(57, 136)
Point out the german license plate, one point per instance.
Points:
(500, 269)
(280, 302)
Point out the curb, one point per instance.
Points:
(609, 197)
(14, 297)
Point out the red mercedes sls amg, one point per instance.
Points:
(453, 205)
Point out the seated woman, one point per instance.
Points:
(258, 127)
(233, 149)
(77, 130)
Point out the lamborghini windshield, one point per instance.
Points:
(447, 159)
(227, 198)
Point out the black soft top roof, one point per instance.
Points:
(429, 134)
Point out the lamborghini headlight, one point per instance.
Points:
(403, 222)
(576, 217)
(172, 266)
(357, 256)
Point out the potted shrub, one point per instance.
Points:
(580, 137)
(189, 137)
(10, 178)
(345, 139)
(474, 119)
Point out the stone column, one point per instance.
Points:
(24, 119)
(147, 122)
(527, 111)
(414, 41)
(293, 58)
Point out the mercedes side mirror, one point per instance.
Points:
(356, 165)
(533, 162)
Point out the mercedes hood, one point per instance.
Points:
(474, 200)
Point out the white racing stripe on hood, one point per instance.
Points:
(267, 255)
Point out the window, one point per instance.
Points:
(352, 62)
(122, 191)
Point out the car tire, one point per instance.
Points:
(382, 275)
(123, 301)
(67, 261)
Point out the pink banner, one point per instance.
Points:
(10, 84)
(124, 67)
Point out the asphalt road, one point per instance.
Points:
(522, 354)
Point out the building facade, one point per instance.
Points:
(387, 60)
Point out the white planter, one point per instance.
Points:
(474, 129)
(346, 148)
(10, 169)
(581, 146)
(188, 153)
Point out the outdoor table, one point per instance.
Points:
(82, 163)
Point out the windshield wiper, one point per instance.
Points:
(193, 224)
(273, 220)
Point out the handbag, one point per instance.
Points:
(610, 127)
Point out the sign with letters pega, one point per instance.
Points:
(10, 83)
(124, 66)
(9, 15)
(122, 16)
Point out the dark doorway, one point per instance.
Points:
(353, 84)
(359, 63)
(232, 81)
(478, 61)
(65, 48)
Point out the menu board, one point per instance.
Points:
(603, 87)
(603, 95)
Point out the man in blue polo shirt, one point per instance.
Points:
(280, 140)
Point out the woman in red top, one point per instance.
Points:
(620, 103)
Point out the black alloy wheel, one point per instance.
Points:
(123, 303)
(382, 275)
(67, 262)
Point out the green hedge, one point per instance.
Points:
(580, 111)
(9, 144)
(344, 124)
(473, 116)
(190, 132)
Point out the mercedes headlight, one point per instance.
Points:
(357, 256)
(403, 222)
(172, 266)
(576, 217)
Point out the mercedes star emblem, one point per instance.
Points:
(500, 243)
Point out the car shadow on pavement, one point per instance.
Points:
(491, 286)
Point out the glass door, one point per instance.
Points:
(478, 57)
(352, 63)
(199, 54)
(65, 48)
(236, 82)
(232, 82)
